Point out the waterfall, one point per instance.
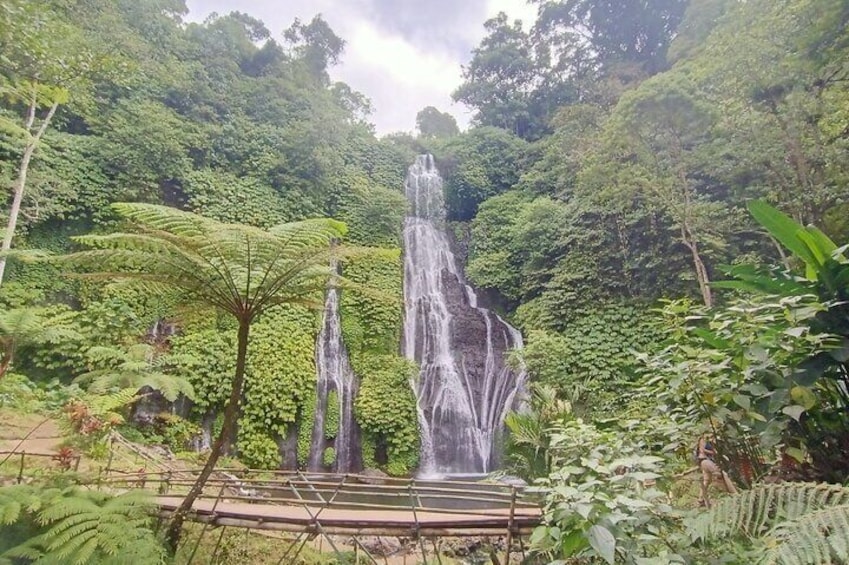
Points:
(464, 388)
(334, 375)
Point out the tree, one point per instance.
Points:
(659, 129)
(316, 45)
(44, 60)
(609, 31)
(433, 123)
(499, 78)
(28, 326)
(238, 269)
(477, 165)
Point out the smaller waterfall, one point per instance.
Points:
(334, 375)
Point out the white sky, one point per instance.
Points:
(402, 54)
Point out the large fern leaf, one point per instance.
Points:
(92, 527)
(135, 367)
(816, 537)
(16, 500)
(797, 523)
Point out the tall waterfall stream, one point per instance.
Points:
(465, 388)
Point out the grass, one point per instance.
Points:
(239, 546)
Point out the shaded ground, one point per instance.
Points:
(14, 426)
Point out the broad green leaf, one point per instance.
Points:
(780, 226)
(603, 542)
(794, 411)
(742, 401)
(823, 242)
(796, 453)
(804, 396)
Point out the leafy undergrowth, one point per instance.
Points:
(238, 546)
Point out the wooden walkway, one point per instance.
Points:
(354, 505)
(340, 521)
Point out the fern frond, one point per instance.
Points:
(797, 523)
(100, 405)
(751, 513)
(17, 499)
(816, 537)
(93, 527)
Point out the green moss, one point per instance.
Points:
(371, 326)
(328, 457)
(331, 415)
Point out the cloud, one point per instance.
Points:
(402, 54)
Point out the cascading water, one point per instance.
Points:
(464, 388)
(334, 375)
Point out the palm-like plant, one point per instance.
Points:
(529, 432)
(25, 326)
(137, 367)
(239, 269)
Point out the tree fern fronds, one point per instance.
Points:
(797, 523)
(135, 367)
(103, 404)
(90, 527)
(752, 512)
(815, 537)
(17, 499)
(164, 218)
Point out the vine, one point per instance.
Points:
(281, 379)
(331, 415)
(371, 327)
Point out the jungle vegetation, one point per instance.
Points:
(655, 193)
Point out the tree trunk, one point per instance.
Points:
(699, 266)
(20, 182)
(231, 411)
(5, 361)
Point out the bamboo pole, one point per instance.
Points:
(303, 533)
(217, 544)
(314, 519)
(206, 525)
(510, 527)
(416, 519)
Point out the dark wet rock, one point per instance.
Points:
(373, 477)
(381, 546)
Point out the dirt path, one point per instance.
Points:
(14, 426)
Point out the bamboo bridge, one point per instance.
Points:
(352, 505)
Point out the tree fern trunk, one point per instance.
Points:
(231, 412)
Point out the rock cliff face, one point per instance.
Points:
(464, 388)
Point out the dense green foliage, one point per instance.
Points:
(215, 118)
(75, 525)
(624, 157)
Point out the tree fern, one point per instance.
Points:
(16, 500)
(136, 367)
(85, 527)
(21, 326)
(796, 523)
(242, 270)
